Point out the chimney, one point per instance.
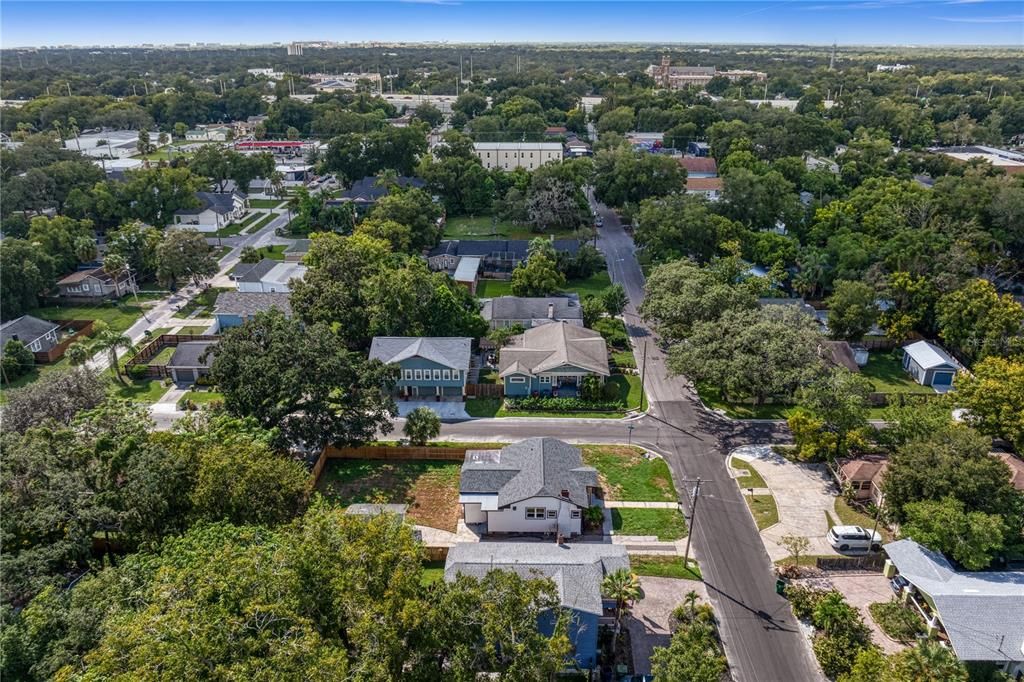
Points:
(551, 311)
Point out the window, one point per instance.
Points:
(565, 493)
(418, 374)
(437, 375)
(408, 375)
(516, 380)
(446, 374)
(455, 375)
(545, 380)
(535, 512)
(574, 514)
(552, 514)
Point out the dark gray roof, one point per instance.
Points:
(577, 569)
(253, 272)
(535, 467)
(520, 308)
(247, 304)
(25, 328)
(505, 248)
(981, 611)
(299, 246)
(189, 354)
(369, 191)
(450, 351)
(218, 202)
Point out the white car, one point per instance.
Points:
(854, 538)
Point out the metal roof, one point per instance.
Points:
(577, 569)
(982, 612)
(467, 269)
(929, 356)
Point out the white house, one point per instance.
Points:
(215, 210)
(930, 365)
(268, 276)
(538, 485)
(511, 155)
(210, 134)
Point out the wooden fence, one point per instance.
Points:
(81, 329)
(153, 348)
(485, 390)
(871, 563)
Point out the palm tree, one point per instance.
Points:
(624, 588)
(833, 612)
(929, 661)
(691, 602)
(78, 353)
(110, 341)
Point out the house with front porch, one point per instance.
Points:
(95, 283)
(430, 367)
(577, 571)
(538, 485)
(552, 359)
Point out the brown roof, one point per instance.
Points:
(699, 164)
(703, 184)
(866, 468)
(76, 277)
(1016, 469)
(840, 354)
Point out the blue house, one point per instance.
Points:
(234, 308)
(577, 571)
(552, 358)
(430, 367)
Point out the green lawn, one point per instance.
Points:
(264, 203)
(194, 329)
(711, 396)
(203, 302)
(433, 571)
(752, 479)
(624, 359)
(274, 252)
(430, 488)
(118, 317)
(203, 397)
(229, 230)
(626, 474)
(886, 373)
(163, 357)
(488, 376)
(591, 286)
(144, 391)
(667, 524)
(629, 391)
(484, 227)
(851, 516)
(154, 333)
(764, 510)
(492, 288)
(664, 567)
(263, 222)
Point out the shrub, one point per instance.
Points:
(609, 391)
(613, 331)
(836, 654)
(804, 600)
(17, 360)
(547, 404)
(136, 372)
(897, 621)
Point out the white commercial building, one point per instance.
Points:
(111, 144)
(511, 155)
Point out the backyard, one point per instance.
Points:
(666, 524)
(118, 317)
(430, 488)
(588, 286)
(885, 370)
(627, 473)
(486, 227)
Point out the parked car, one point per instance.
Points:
(898, 583)
(598, 221)
(855, 538)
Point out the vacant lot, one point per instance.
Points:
(626, 474)
(430, 488)
(666, 524)
(486, 227)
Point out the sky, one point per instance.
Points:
(819, 22)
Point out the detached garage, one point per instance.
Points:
(190, 362)
(930, 365)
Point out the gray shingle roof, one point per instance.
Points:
(368, 190)
(189, 354)
(548, 346)
(520, 308)
(254, 272)
(535, 467)
(299, 246)
(577, 569)
(26, 328)
(449, 351)
(218, 202)
(486, 248)
(247, 304)
(982, 612)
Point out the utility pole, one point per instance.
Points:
(693, 516)
(643, 376)
(878, 512)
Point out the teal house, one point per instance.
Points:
(429, 367)
(552, 359)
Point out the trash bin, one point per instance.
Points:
(780, 586)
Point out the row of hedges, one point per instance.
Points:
(547, 404)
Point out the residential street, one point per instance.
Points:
(761, 635)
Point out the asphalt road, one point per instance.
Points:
(761, 636)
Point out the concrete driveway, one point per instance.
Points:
(446, 410)
(803, 493)
(649, 622)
